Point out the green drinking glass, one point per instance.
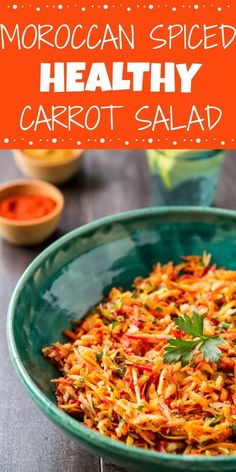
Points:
(184, 176)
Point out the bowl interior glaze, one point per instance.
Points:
(76, 272)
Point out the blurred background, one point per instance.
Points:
(107, 182)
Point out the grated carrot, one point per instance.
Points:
(114, 378)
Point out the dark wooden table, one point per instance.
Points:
(108, 182)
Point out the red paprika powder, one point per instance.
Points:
(26, 207)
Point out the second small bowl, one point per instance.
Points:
(30, 231)
(54, 166)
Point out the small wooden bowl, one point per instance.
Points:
(54, 170)
(34, 231)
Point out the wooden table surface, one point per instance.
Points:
(108, 182)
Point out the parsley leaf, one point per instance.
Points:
(179, 349)
(209, 349)
(183, 350)
(193, 326)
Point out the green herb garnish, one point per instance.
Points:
(140, 407)
(224, 325)
(120, 372)
(216, 420)
(181, 350)
(98, 356)
(201, 264)
(114, 324)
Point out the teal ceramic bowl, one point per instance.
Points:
(76, 272)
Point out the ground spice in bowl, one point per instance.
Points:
(26, 207)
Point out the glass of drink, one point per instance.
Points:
(184, 176)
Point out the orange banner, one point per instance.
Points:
(117, 74)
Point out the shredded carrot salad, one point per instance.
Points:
(117, 381)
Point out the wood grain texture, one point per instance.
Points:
(108, 182)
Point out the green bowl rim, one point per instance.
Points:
(70, 424)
